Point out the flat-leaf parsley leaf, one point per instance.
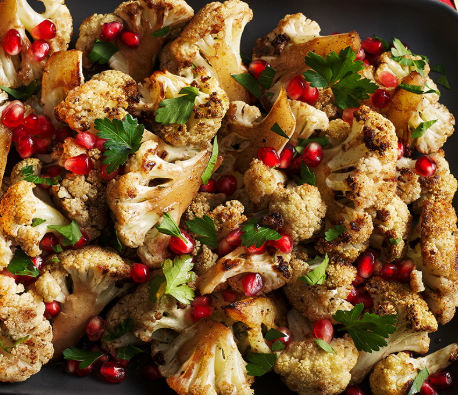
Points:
(178, 109)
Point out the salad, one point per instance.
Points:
(169, 202)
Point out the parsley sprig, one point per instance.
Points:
(340, 73)
(27, 175)
(169, 227)
(22, 93)
(318, 274)
(399, 51)
(16, 343)
(85, 357)
(119, 330)
(71, 232)
(102, 52)
(418, 381)
(255, 235)
(22, 265)
(205, 228)
(178, 109)
(260, 363)
(206, 175)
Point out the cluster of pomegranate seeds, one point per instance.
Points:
(140, 273)
(252, 284)
(354, 389)
(181, 245)
(381, 98)
(440, 380)
(45, 30)
(131, 39)
(113, 372)
(425, 166)
(256, 67)
(201, 307)
(284, 244)
(12, 42)
(366, 264)
(388, 79)
(312, 154)
(226, 184)
(94, 328)
(323, 329)
(401, 149)
(299, 89)
(110, 30)
(269, 156)
(230, 242)
(81, 164)
(359, 295)
(52, 309)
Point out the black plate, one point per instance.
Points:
(430, 28)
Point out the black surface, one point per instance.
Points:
(428, 26)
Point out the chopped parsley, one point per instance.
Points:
(178, 109)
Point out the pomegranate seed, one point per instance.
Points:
(204, 300)
(361, 54)
(48, 241)
(31, 124)
(353, 389)
(425, 166)
(286, 340)
(256, 67)
(366, 264)
(131, 39)
(140, 273)
(43, 145)
(284, 244)
(358, 280)
(286, 156)
(40, 49)
(347, 114)
(388, 79)
(108, 176)
(401, 149)
(441, 380)
(46, 127)
(13, 114)
(54, 170)
(63, 133)
(12, 42)
(309, 94)
(210, 187)
(37, 261)
(124, 363)
(364, 298)
(323, 329)
(80, 164)
(372, 46)
(366, 61)
(235, 237)
(87, 371)
(229, 295)
(224, 247)
(25, 146)
(104, 358)
(45, 30)
(86, 140)
(200, 311)
(269, 156)
(253, 250)
(151, 372)
(82, 241)
(381, 98)
(226, 184)
(371, 59)
(99, 144)
(252, 284)
(113, 372)
(7, 273)
(405, 267)
(52, 309)
(18, 131)
(295, 166)
(312, 154)
(70, 366)
(94, 328)
(427, 389)
(110, 30)
(352, 295)
(180, 246)
(389, 272)
(295, 87)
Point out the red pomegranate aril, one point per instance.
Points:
(210, 187)
(253, 250)
(99, 144)
(63, 133)
(364, 298)
(269, 156)
(54, 170)
(151, 372)
(372, 46)
(229, 295)
(401, 149)
(108, 176)
(284, 244)
(200, 311)
(43, 145)
(87, 371)
(353, 389)
(310, 94)
(140, 273)
(389, 271)
(425, 166)
(234, 238)
(381, 98)
(86, 140)
(256, 67)
(202, 300)
(312, 154)
(352, 295)
(19, 131)
(181, 245)
(12, 42)
(124, 363)
(40, 50)
(104, 358)
(45, 127)
(286, 340)
(286, 156)
(226, 184)
(252, 284)
(441, 380)
(323, 329)
(428, 389)
(113, 372)
(295, 87)
(131, 39)
(295, 166)
(80, 164)
(82, 241)
(358, 280)
(48, 241)
(360, 55)
(347, 114)
(37, 261)
(94, 328)
(45, 30)
(405, 267)
(366, 264)
(224, 247)
(13, 114)
(25, 146)
(110, 30)
(31, 124)
(70, 366)
(52, 309)
(388, 79)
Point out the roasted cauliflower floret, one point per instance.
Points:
(204, 359)
(436, 256)
(212, 40)
(308, 120)
(209, 108)
(395, 374)
(25, 334)
(408, 186)
(21, 204)
(23, 68)
(302, 209)
(16, 174)
(338, 131)
(6, 250)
